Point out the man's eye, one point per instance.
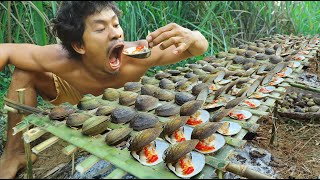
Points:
(117, 25)
(100, 30)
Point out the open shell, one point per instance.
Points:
(251, 103)
(160, 147)
(229, 128)
(116, 136)
(216, 141)
(240, 114)
(191, 107)
(205, 130)
(198, 161)
(276, 81)
(143, 138)
(266, 89)
(178, 150)
(201, 116)
(184, 131)
(285, 72)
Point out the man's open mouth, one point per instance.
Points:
(115, 56)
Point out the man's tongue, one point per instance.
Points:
(114, 62)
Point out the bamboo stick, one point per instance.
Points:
(116, 174)
(87, 164)
(306, 87)
(239, 143)
(33, 134)
(244, 171)
(27, 148)
(45, 144)
(70, 149)
(22, 126)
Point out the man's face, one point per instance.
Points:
(103, 42)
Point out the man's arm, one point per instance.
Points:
(173, 43)
(28, 57)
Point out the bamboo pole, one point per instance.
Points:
(244, 171)
(306, 87)
(27, 148)
(116, 174)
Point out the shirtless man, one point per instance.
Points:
(88, 61)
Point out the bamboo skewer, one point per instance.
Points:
(26, 144)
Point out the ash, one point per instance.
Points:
(309, 79)
(256, 159)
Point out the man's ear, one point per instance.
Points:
(78, 47)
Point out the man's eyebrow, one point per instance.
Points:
(101, 21)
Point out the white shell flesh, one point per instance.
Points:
(161, 146)
(266, 89)
(200, 114)
(187, 131)
(217, 143)
(240, 114)
(198, 161)
(276, 80)
(233, 129)
(251, 103)
(134, 50)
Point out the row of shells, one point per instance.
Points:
(243, 76)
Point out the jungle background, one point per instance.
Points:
(225, 24)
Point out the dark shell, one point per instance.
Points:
(77, 119)
(174, 72)
(60, 112)
(203, 63)
(261, 56)
(149, 89)
(166, 84)
(143, 138)
(250, 53)
(167, 109)
(234, 102)
(116, 136)
(148, 80)
(270, 51)
(146, 103)
(274, 59)
(197, 88)
(205, 130)
(127, 98)
(122, 115)
(191, 107)
(95, 125)
(178, 150)
(162, 75)
(194, 66)
(219, 114)
(143, 121)
(164, 95)
(88, 104)
(183, 97)
(189, 75)
(208, 68)
(110, 94)
(174, 124)
(104, 110)
(132, 86)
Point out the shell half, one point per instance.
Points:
(229, 128)
(240, 114)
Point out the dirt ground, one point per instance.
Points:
(295, 152)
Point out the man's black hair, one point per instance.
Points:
(69, 23)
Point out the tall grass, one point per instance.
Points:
(224, 23)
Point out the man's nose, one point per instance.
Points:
(116, 33)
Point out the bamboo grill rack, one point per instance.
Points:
(99, 150)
